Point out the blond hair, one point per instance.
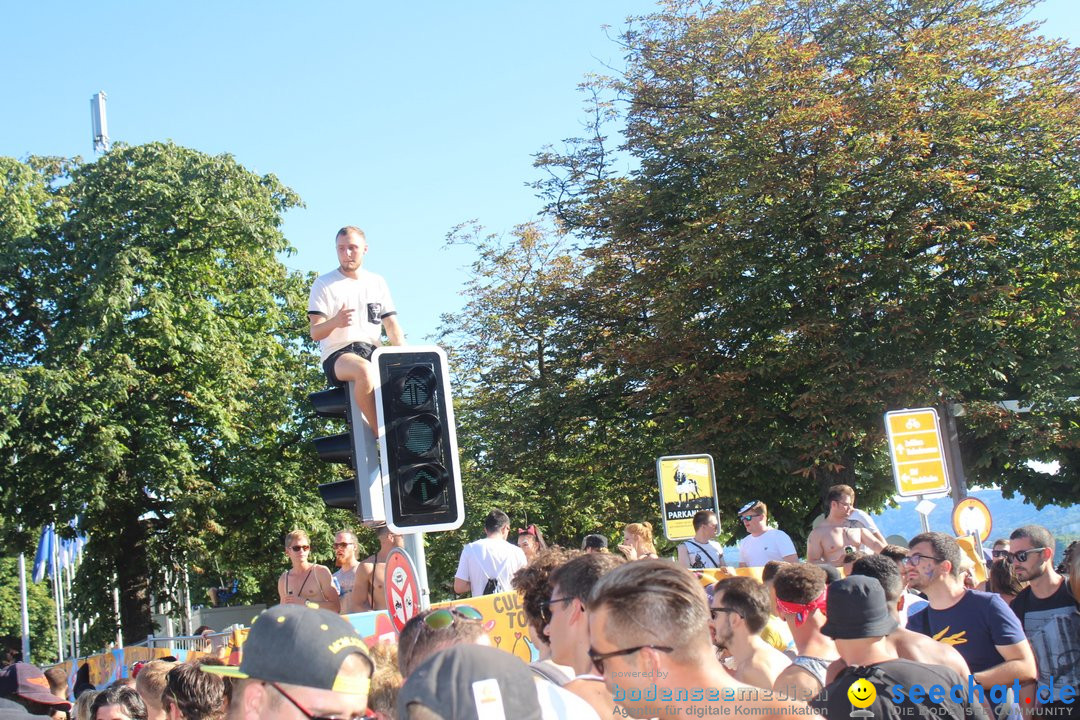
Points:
(295, 536)
(642, 531)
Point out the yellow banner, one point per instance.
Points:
(504, 619)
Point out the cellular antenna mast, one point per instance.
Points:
(97, 118)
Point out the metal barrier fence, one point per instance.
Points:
(207, 642)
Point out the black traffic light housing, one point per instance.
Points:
(362, 493)
(421, 476)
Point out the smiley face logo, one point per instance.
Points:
(862, 693)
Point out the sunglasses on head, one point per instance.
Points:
(445, 617)
(1021, 555)
(298, 548)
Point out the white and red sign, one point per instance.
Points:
(402, 589)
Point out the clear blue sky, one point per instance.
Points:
(405, 120)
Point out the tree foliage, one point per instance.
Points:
(834, 208)
(40, 608)
(153, 373)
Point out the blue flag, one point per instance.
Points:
(43, 561)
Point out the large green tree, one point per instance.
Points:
(841, 207)
(154, 360)
(832, 208)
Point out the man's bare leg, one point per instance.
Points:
(355, 369)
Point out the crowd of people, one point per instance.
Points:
(634, 635)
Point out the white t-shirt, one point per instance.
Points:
(772, 544)
(489, 558)
(367, 295)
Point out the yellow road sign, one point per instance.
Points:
(687, 485)
(917, 452)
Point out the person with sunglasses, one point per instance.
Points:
(1047, 611)
(433, 630)
(649, 639)
(740, 609)
(567, 625)
(306, 582)
(299, 663)
(762, 543)
(828, 542)
(978, 624)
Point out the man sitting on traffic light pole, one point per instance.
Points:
(348, 308)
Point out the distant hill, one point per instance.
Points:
(1007, 515)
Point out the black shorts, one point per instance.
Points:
(362, 349)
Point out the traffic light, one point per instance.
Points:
(362, 493)
(421, 479)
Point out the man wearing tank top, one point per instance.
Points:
(353, 597)
(703, 551)
(371, 575)
(306, 582)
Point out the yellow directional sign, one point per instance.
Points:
(918, 457)
(687, 485)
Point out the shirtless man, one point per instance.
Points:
(306, 582)
(345, 545)
(741, 607)
(836, 532)
(370, 589)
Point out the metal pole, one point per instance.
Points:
(414, 545)
(187, 603)
(952, 455)
(116, 610)
(70, 613)
(24, 614)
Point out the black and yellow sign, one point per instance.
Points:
(687, 485)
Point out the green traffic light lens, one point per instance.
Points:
(420, 436)
(416, 388)
(425, 485)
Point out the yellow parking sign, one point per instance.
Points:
(687, 486)
(917, 452)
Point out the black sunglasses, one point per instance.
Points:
(599, 658)
(916, 558)
(545, 607)
(723, 609)
(999, 553)
(1021, 555)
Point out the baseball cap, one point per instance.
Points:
(28, 682)
(467, 682)
(594, 541)
(298, 645)
(856, 609)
